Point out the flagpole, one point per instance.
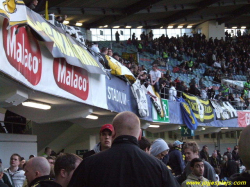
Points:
(47, 10)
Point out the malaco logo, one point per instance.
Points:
(71, 78)
(23, 52)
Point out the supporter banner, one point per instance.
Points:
(62, 45)
(14, 11)
(202, 109)
(120, 97)
(243, 118)
(223, 110)
(119, 69)
(188, 116)
(157, 117)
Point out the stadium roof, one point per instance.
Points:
(150, 13)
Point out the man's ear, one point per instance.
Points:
(37, 173)
(63, 173)
(140, 135)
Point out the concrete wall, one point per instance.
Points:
(24, 145)
(212, 29)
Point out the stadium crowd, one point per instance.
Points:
(125, 158)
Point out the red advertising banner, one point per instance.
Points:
(243, 118)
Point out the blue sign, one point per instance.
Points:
(120, 97)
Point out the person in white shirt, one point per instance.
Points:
(155, 76)
(14, 173)
(172, 92)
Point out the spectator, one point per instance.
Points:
(33, 4)
(116, 56)
(228, 151)
(144, 144)
(197, 167)
(172, 92)
(191, 151)
(155, 76)
(110, 52)
(105, 137)
(231, 166)
(47, 152)
(65, 166)
(117, 37)
(2, 184)
(204, 153)
(244, 152)
(214, 161)
(124, 164)
(175, 158)
(37, 172)
(159, 148)
(14, 173)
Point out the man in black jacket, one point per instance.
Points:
(37, 172)
(124, 164)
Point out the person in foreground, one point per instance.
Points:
(196, 179)
(243, 179)
(124, 164)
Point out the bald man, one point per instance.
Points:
(243, 179)
(37, 172)
(124, 164)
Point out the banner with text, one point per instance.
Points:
(223, 110)
(202, 109)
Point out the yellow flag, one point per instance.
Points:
(47, 10)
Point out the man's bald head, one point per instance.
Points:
(126, 123)
(36, 167)
(244, 147)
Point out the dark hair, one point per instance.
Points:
(65, 161)
(104, 49)
(194, 161)
(144, 143)
(15, 154)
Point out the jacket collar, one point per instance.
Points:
(125, 139)
(193, 177)
(37, 180)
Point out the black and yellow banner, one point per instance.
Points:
(202, 109)
(62, 45)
